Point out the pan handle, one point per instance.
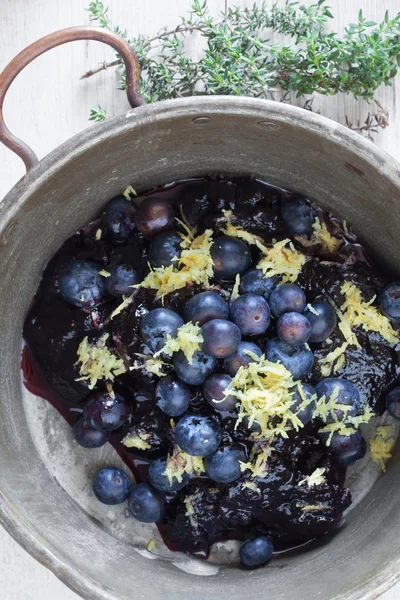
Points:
(53, 40)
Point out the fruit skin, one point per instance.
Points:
(122, 278)
(256, 552)
(119, 219)
(348, 449)
(254, 282)
(293, 328)
(389, 301)
(146, 503)
(165, 249)
(287, 297)
(156, 325)
(204, 307)
(154, 215)
(298, 361)
(213, 391)
(347, 395)
(87, 437)
(251, 314)
(393, 402)
(198, 436)
(221, 338)
(305, 414)
(224, 465)
(111, 486)
(323, 324)
(160, 481)
(104, 412)
(239, 358)
(351, 457)
(172, 396)
(298, 215)
(231, 257)
(202, 366)
(80, 284)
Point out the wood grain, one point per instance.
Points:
(48, 104)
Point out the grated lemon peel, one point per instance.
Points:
(235, 290)
(179, 462)
(151, 544)
(316, 478)
(138, 439)
(98, 362)
(126, 301)
(258, 468)
(321, 236)
(149, 364)
(98, 235)
(237, 232)
(282, 259)
(381, 446)
(104, 273)
(251, 485)
(188, 339)
(128, 192)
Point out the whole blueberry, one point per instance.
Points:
(305, 414)
(389, 301)
(345, 393)
(256, 552)
(241, 358)
(172, 396)
(156, 325)
(165, 249)
(293, 328)
(323, 323)
(298, 361)
(202, 366)
(87, 437)
(221, 338)
(121, 280)
(287, 297)
(160, 481)
(105, 412)
(230, 256)
(119, 219)
(154, 215)
(204, 307)
(81, 285)
(254, 282)
(298, 216)
(111, 486)
(251, 314)
(213, 391)
(198, 436)
(348, 449)
(146, 503)
(224, 465)
(393, 402)
(351, 457)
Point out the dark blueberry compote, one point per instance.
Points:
(225, 337)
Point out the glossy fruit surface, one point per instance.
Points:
(154, 215)
(165, 249)
(344, 392)
(198, 436)
(251, 314)
(119, 219)
(254, 282)
(194, 374)
(172, 396)
(224, 465)
(298, 215)
(160, 481)
(298, 361)
(241, 358)
(206, 306)
(87, 436)
(81, 285)
(105, 412)
(121, 280)
(156, 325)
(293, 328)
(256, 552)
(111, 485)
(287, 297)
(389, 301)
(146, 503)
(221, 338)
(231, 257)
(323, 323)
(214, 389)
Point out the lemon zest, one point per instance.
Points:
(97, 362)
(282, 259)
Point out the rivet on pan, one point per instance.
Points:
(268, 125)
(8, 233)
(201, 120)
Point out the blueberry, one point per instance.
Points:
(172, 396)
(111, 486)
(254, 282)
(287, 297)
(240, 358)
(213, 391)
(256, 552)
(293, 328)
(393, 402)
(305, 415)
(298, 215)
(350, 457)
(202, 366)
(323, 323)
(198, 436)
(121, 280)
(298, 361)
(105, 412)
(119, 219)
(346, 393)
(230, 256)
(157, 325)
(224, 465)
(348, 449)
(204, 307)
(251, 314)
(146, 503)
(165, 249)
(154, 215)
(253, 428)
(389, 301)
(221, 338)
(161, 481)
(87, 437)
(81, 285)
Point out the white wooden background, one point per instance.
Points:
(48, 103)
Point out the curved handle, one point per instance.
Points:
(53, 40)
